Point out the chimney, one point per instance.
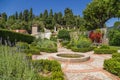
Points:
(34, 29)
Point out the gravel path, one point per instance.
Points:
(89, 70)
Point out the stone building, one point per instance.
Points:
(36, 32)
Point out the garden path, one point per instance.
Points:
(89, 70)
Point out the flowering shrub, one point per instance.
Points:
(96, 36)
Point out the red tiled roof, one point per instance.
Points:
(20, 31)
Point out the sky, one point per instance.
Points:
(77, 6)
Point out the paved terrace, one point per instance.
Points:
(89, 70)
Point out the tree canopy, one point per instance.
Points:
(47, 19)
(99, 11)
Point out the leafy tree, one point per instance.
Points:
(99, 11)
(4, 16)
(2, 24)
(39, 23)
(114, 37)
(10, 22)
(25, 20)
(12, 17)
(79, 22)
(16, 24)
(117, 24)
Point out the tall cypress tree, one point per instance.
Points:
(41, 15)
(25, 15)
(55, 17)
(69, 17)
(0, 15)
(45, 15)
(16, 15)
(51, 14)
(20, 16)
(60, 18)
(31, 14)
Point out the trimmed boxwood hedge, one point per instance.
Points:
(51, 66)
(104, 51)
(65, 43)
(75, 49)
(27, 48)
(116, 55)
(32, 51)
(15, 37)
(49, 50)
(113, 66)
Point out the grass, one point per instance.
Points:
(115, 47)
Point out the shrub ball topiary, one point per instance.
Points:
(64, 35)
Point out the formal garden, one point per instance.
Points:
(82, 48)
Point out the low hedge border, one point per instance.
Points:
(46, 65)
(104, 51)
(48, 50)
(64, 43)
(75, 49)
(32, 51)
(15, 37)
(113, 66)
(116, 55)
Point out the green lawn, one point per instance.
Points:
(115, 47)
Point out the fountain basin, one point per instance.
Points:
(71, 57)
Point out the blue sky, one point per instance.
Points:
(11, 6)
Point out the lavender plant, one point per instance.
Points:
(15, 66)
